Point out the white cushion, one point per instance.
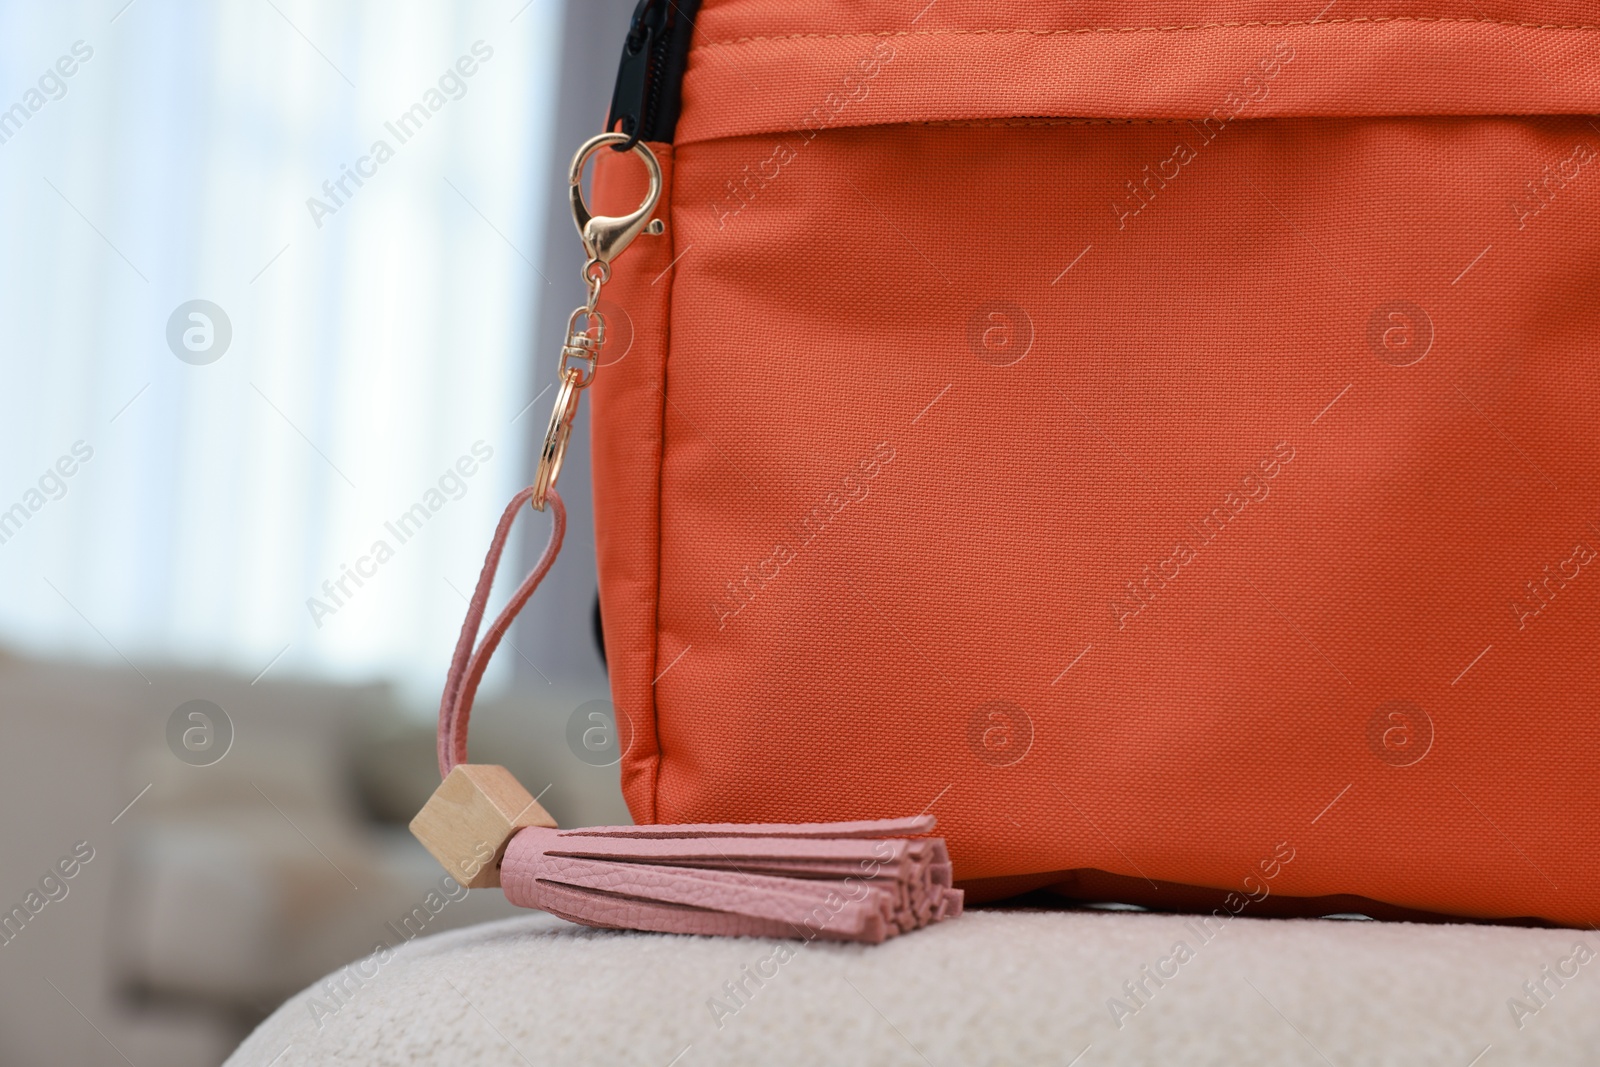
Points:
(993, 987)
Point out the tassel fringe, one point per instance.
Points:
(850, 881)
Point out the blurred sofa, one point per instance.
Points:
(216, 891)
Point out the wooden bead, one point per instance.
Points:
(471, 817)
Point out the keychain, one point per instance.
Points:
(845, 881)
(604, 239)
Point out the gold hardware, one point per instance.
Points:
(556, 437)
(604, 237)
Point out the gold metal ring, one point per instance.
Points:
(556, 437)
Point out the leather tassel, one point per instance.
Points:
(845, 881)
(849, 881)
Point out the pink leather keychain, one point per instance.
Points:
(845, 881)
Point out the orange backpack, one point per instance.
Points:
(1158, 439)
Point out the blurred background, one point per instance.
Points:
(281, 289)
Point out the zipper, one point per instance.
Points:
(648, 92)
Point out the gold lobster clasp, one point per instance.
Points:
(605, 236)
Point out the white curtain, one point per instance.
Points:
(163, 504)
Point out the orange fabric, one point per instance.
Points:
(1297, 469)
(989, 66)
(627, 471)
(721, 20)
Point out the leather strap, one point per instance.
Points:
(468, 663)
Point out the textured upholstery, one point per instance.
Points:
(993, 987)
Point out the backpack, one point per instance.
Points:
(1157, 440)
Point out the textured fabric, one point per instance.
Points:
(781, 66)
(994, 988)
(1161, 498)
(729, 19)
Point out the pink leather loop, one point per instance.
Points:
(468, 664)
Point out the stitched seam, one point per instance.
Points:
(661, 462)
(1179, 28)
(1047, 121)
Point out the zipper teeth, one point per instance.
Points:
(653, 79)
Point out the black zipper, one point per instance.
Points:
(648, 93)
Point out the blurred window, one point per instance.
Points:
(266, 283)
